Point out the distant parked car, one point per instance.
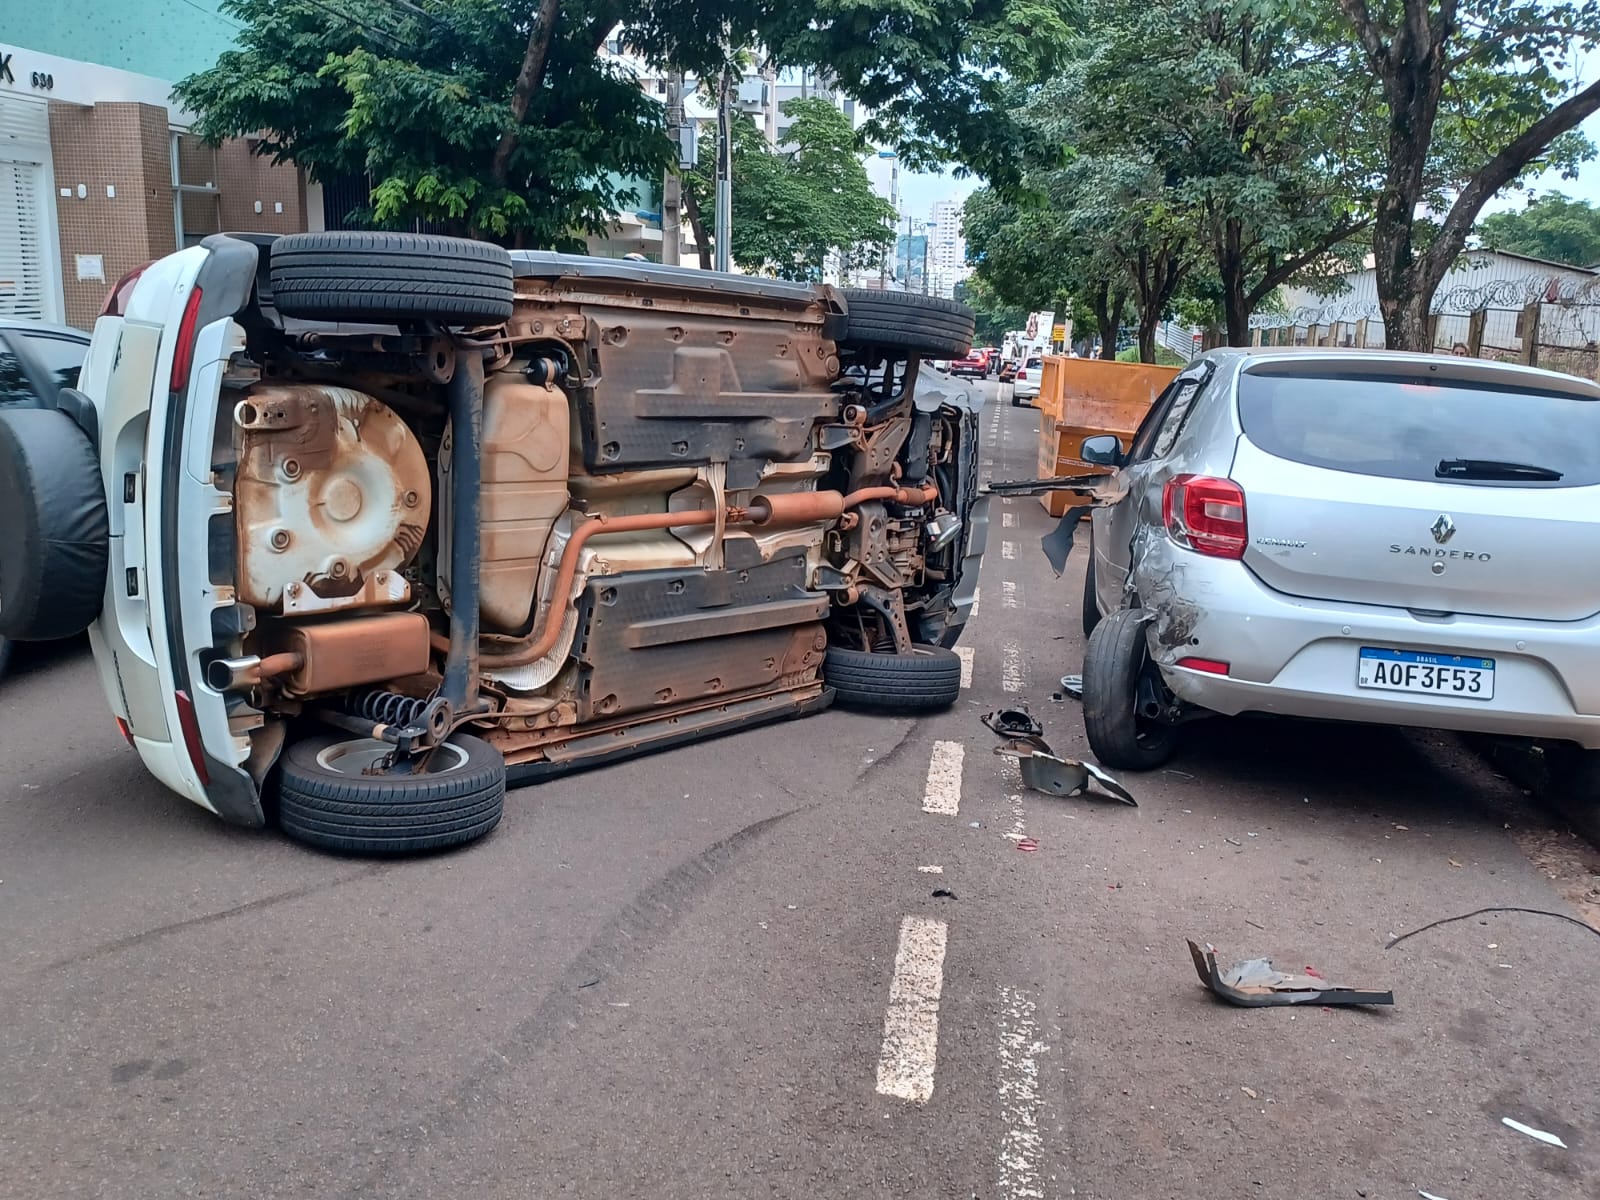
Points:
(1358, 536)
(1025, 384)
(974, 366)
(36, 362)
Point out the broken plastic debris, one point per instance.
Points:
(1044, 772)
(1072, 685)
(1256, 984)
(1013, 723)
(1548, 1139)
(1424, 1195)
(1027, 843)
(944, 894)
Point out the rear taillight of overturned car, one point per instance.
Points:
(183, 348)
(1206, 515)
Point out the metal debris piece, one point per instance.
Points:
(1256, 984)
(1549, 1139)
(1057, 544)
(1072, 685)
(1043, 771)
(1013, 723)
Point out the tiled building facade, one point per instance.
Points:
(98, 174)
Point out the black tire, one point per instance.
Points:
(5, 656)
(391, 277)
(343, 810)
(1091, 603)
(54, 539)
(927, 326)
(927, 678)
(1117, 659)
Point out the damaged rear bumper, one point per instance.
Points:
(1295, 657)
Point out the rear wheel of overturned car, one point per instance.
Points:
(390, 278)
(926, 326)
(336, 793)
(1117, 675)
(927, 678)
(54, 538)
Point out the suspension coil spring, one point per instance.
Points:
(386, 708)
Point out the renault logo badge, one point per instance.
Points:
(1444, 529)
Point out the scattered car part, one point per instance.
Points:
(1045, 772)
(1013, 723)
(1494, 908)
(1254, 983)
(1072, 685)
(1549, 1139)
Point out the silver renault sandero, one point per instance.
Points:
(1352, 535)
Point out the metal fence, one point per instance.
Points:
(1551, 322)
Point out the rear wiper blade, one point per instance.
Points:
(1489, 468)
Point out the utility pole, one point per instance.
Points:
(769, 77)
(672, 180)
(724, 215)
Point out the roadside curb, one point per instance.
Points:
(1539, 767)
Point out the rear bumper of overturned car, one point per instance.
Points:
(1295, 657)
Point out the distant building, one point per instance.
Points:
(98, 172)
(947, 248)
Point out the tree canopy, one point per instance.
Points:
(1554, 227)
(795, 204)
(504, 119)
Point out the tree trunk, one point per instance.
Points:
(702, 242)
(529, 77)
(1231, 270)
(1107, 309)
(1148, 321)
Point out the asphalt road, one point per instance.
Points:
(674, 977)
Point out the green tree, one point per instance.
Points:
(503, 119)
(1249, 120)
(995, 318)
(1554, 226)
(1473, 95)
(795, 204)
(489, 119)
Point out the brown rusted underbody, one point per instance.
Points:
(663, 537)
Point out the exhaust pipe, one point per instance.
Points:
(241, 674)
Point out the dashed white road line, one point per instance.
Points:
(932, 869)
(964, 653)
(911, 1022)
(1008, 593)
(977, 594)
(1011, 776)
(1008, 519)
(1008, 549)
(1018, 1173)
(942, 795)
(1011, 667)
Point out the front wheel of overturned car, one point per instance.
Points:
(1117, 675)
(927, 678)
(328, 799)
(928, 326)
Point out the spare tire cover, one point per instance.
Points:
(54, 540)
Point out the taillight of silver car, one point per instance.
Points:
(1206, 515)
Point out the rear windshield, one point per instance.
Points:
(1402, 426)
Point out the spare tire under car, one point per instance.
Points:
(54, 539)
